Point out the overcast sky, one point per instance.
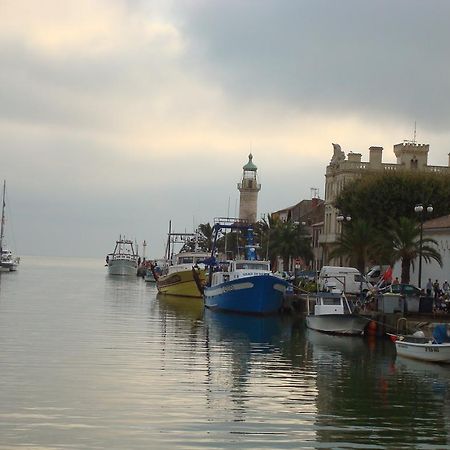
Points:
(117, 116)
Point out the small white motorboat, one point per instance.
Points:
(418, 346)
(334, 314)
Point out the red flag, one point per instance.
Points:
(387, 275)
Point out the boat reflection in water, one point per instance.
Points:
(184, 308)
(424, 371)
(229, 327)
(329, 344)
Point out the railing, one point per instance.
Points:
(124, 256)
(386, 167)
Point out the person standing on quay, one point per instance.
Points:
(436, 289)
(446, 287)
(429, 287)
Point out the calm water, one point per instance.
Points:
(89, 361)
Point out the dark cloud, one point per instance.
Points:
(374, 58)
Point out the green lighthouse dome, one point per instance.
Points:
(250, 166)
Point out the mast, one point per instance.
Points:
(2, 230)
(168, 241)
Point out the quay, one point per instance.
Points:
(380, 323)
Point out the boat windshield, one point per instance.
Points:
(331, 301)
(186, 260)
(253, 266)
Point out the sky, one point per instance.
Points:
(117, 116)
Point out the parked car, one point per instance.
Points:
(405, 289)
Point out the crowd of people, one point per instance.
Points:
(441, 294)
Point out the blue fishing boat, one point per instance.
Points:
(243, 285)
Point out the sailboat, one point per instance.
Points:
(8, 262)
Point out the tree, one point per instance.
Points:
(359, 243)
(202, 241)
(289, 240)
(264, 232)
(379, 198)
(406, 246)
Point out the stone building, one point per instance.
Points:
(249, 188)
(341, 169)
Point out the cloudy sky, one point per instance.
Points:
(117, 116)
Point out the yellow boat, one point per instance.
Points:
(180, 279)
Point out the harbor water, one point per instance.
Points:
(91, 361)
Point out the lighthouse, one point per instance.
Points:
(249, 188)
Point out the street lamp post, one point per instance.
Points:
(419, 209)
(341, 218)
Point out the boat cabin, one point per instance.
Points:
(331, 303)
(240, 269)
(187, 260)
(191, 258)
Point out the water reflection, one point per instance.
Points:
(181, 308)
(253, 330)
(93, 361)
(360, 387)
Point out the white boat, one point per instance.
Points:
(334, 314)
(124, 260)
(8, 262)
(418, 346)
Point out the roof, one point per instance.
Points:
(438, 222)
(250, 166)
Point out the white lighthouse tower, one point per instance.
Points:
(249, 188)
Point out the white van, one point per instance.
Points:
(347, 279)
(375, 274)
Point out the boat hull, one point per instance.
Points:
(260, 294)
(347, 324)
(124, 267)
(439, 353)
(8, 266)
(181, 283)
(149, 277)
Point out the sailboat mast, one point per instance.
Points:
(2, 230)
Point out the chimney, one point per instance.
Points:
(354, 157)
(375, 155)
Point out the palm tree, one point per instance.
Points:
(406, 246)
(359, 243)
(205, 232)
(289, 240)
(264, 230)
(202, 241)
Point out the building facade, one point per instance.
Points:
(439, 230)
(249, 188)
(341, 169)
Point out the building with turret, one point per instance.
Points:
(410, 155)
(249, 188)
